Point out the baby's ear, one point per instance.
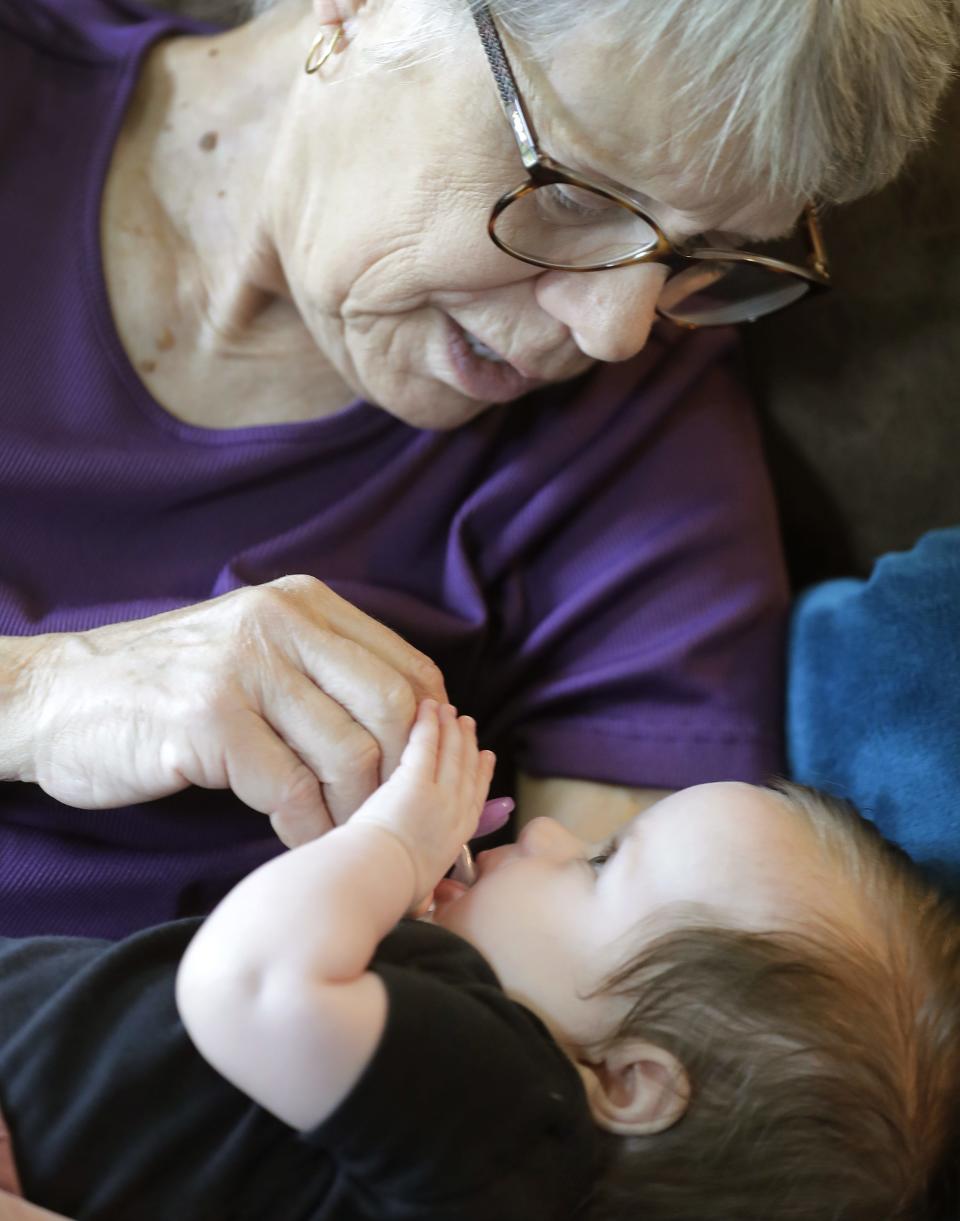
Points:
(636, 1089)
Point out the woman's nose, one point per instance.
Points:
(609, 313)
(545, 837)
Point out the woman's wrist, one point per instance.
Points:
(19, 661)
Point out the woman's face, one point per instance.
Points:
(380, 221)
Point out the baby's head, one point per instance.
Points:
(762, 995)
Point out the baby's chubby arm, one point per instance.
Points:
(274, 989)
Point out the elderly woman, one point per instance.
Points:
(352, 292)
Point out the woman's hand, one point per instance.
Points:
(284, 693)
(432, 802)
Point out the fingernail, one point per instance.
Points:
(493, 815)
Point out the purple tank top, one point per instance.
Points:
(596, 569)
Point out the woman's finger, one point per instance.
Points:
(376, 696)
(392, 650)
(341, 754)
(410, 675)
(269, 777)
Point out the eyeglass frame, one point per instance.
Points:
(544, 170)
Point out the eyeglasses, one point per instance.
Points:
(563, 220)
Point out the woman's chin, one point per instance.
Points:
(440, 411)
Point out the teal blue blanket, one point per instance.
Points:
(874, 697)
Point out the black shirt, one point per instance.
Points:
(468, 1110)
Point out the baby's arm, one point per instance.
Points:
(274, 989)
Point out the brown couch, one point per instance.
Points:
(860, 390)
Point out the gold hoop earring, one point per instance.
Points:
(318, 56)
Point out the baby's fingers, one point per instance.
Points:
(484, 777)
(458, 752)
(419, 758)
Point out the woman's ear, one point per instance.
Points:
(636, 1089)
(335, 12)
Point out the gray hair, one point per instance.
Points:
(804, 99)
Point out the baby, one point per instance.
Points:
(745, 1006)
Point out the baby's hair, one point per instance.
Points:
(824, 1067)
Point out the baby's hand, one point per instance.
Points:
(432, 801)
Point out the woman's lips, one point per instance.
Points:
(485, 380)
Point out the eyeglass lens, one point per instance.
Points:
(573, 226)
(562, 223)
(719, 292)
